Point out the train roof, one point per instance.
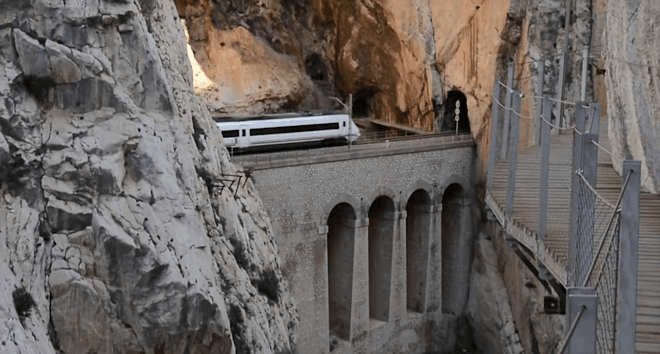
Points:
(222, 119)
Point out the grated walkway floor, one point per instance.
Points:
(608, 184)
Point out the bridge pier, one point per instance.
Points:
(434, 275)
(360, 284)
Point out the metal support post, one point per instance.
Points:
(545, 167)
(594, 114)
(513, 148)
(590, 157)
(585, 72)
(494, 133)
(582, 306)
(559, 121)
(580, 117)
(629, 251)
(507, 112)
(540, 84)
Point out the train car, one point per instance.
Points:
(286, 129)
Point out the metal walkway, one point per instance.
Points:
(523, 224)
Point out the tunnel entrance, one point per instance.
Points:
(341, 244)
(418, 227)
(316, 69)
(456, 248)
(363, 103)
(381, 236)
(450, 107)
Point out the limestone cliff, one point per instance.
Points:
(123, 225)
(270, 55)
(632, 69)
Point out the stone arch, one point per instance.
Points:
(338, 199)
(383, 192)
(419, 184)
(448, 122)
(419, 217)
(457, 239)
(454, 179)
(382, 225)
(341, 224)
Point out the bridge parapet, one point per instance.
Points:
(383, 147)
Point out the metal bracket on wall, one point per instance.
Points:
(551, 304)
(229, 180)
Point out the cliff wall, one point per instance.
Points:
(119, 232)
(632, 69)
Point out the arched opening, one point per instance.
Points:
(363, 102)
(456, 100)
(381, 236)
(316, 69)
(418, 228)
(456, 248)
(341, 244)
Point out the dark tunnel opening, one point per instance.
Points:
(363, 102)
(316, 69)
(455, 102)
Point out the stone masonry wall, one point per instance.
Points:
(298, 200)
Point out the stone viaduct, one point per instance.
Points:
(376, 240)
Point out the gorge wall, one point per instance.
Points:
(117, 234)
(632, 68)
(398, 58)
(116, 186)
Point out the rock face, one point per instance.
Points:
(471, 42)
(488, 304)
(505, 305)
(270, 55)
(120, 228)
(631, 76)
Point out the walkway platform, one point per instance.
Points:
(523, 225)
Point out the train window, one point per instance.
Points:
(294, 129)
(243, 133)
(344, 123)
(229, 133)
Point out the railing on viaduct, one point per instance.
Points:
(541, 187)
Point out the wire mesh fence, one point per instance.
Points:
(546, 178)
(607, 277)
(554, 187)
(595, 220)
(598, 258)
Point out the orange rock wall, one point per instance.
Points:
(398, 56)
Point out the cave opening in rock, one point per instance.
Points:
(316, 68)
(455, 256)
(418, 227)
(341, 241)
(381, 236)
(449, 116)
(363, 101)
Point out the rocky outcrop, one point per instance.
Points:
(537, 331)
(631, 59)
(471, 42)
(488, 308)
(124, 228)
(270, 55)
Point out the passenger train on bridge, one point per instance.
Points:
(279, 130)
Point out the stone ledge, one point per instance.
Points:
(353, 152)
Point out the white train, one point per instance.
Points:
(286, 129)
